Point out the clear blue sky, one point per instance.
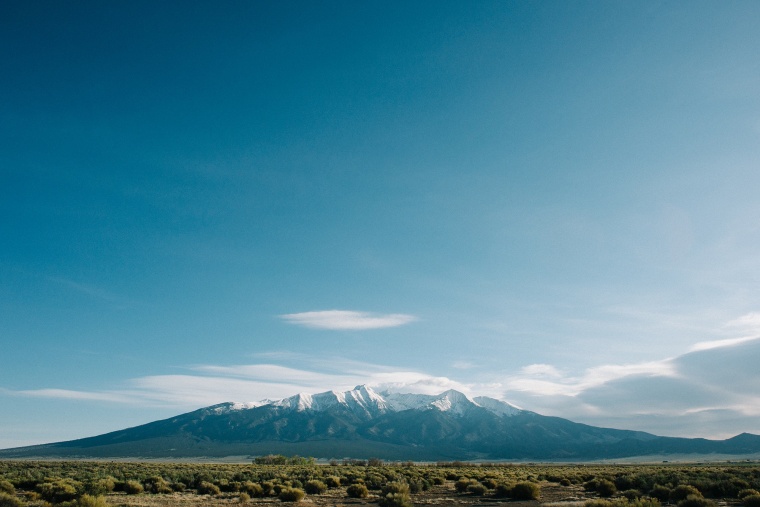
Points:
(553, 203)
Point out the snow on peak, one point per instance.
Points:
(498, 407)
(453, 401)
(365, 401)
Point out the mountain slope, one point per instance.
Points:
(361, 423)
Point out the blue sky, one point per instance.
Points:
(552, 203)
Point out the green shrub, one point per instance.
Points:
(208, 488)
(61, 490)
(462, 484)
(395, 494)
(746, 492)
(100, 486)
(91, 501)
(631, 494)
(244, 497)
(289, 494)
(477, 489)
(751, 501)
(489, 482)
(158, 484)
(565, 482)
(252, 489)
(133, 488)
(696, 501)
(357, 491)
(315, 487)
(526, 491)
(7, 487)
(332, 481)
(683, 491)
(660, 492)
(503, 490)
(7, 500)
(605, 488)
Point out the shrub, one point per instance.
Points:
(208, 488)
(489, 482)
(332, 481)
(683, 491)
(289, 494)
(751, 501)
(58, 491)
(660, 492)
(268, 488)
(526, 491)
(746, 492)
(91, 501)
(7, 487)
(605, 488)
(565, 482)
(7, 500)
(696, 501)
(100, 486)
(503, 490)
(252, 489)
(244, 497)
(357, 491)
(477, 489)
(631, 494)
(133, 488)
(462, 484)
(315, 487)
(395, 494)
(158, 484)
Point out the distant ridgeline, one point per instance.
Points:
(362, 423)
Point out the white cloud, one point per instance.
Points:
(347, 320)
(729, 342)
(749, 321)
(713, 390)
(544, 379)
(542, 370)
(73, 395)
(214, 384)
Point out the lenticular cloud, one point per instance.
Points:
(347, 320)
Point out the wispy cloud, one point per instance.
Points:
(545, 379)
(716, 344)
(347, 320)
(211, 384)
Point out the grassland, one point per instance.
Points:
(124, 484)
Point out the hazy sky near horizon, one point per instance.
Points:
(552, 203)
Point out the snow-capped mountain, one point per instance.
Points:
(361, 423)
(364, 401)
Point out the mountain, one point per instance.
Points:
(362, 423)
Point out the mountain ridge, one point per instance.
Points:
(361, 423)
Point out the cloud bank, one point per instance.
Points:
(347, 320)
(712, 390)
